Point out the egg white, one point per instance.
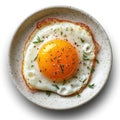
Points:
(75, 34)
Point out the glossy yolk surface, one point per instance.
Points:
(58, 60)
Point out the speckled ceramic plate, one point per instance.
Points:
(55, 101)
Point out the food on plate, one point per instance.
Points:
(59, 56)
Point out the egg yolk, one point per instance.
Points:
(58, 60)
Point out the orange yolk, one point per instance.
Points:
(58, 60)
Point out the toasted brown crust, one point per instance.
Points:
(49, 21)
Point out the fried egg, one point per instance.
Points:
(59, 56)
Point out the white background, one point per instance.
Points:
(14, 106)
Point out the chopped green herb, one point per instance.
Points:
(82, 40)
(61, 33)
(61, 67)
(48, 93)
(85, 57)
(56, 86)
(32, 66)
(40, 81)
(97, 61)
(35, 58)
(72, 85)
(92, 70)
(78, 95)
(91, 86)
(84, 80)
(38, 40)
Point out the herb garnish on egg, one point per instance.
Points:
(82, 40)
(38, 40)
(85, 57)
(62, 68)
(61, 33)
(35, 58)
(56, 86)
(32, 66)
